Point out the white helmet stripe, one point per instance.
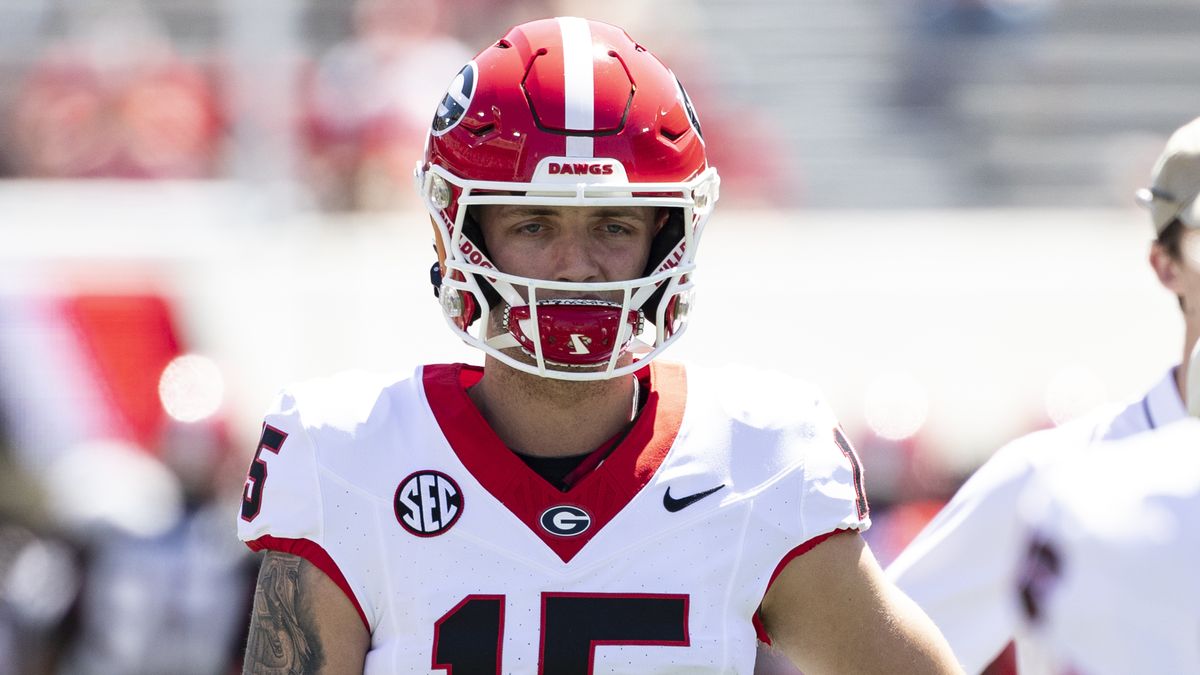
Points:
(578, 84)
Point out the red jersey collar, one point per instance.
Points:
(602, 493)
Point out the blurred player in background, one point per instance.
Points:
(569, 507)
(115, 99)
(164, 590)
(367, 101)
(960, 569)
(1109, 584)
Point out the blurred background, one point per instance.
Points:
(927, 210)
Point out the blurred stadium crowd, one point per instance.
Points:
(113, 95)
(119, 472)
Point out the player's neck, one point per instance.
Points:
(552, 418)
(1191, 334)
(1181, 372)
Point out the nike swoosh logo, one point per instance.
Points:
(672, 504)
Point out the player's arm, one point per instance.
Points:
(831, 610)
(302, 622)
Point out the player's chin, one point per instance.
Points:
(528, 358)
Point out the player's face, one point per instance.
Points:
(1182, 276)
(1188, 275)
(570, 243)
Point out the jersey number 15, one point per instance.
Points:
(468, 639)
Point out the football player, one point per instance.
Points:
(961, 568)
(571, 507)
(1109, 584)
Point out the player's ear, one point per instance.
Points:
(660, 219)
(1166, 266)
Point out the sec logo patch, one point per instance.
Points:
(428, 503)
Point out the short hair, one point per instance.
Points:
(1171, 238)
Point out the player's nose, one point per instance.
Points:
(576, 258)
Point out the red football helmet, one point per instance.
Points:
(566, 112)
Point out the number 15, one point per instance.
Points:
(468, 639)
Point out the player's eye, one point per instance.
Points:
(531, 227)
(617, 228)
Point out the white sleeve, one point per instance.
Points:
(833, 496)
(961, 568)
(795, 434)
(282, 503)
(282, 495)
(830, 491)
(287, 505)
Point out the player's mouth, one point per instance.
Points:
(573, 332)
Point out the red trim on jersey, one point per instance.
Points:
(602, 493)
(437, 631)
(313, 553)
(594, 459)
(791, 555)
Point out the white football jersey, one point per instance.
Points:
(1109, 582)
(460, 558)
(961, 568)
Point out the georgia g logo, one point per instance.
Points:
(687, 106)
(428, 503)
(457, 100)
(565, 521)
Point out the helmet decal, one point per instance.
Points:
(687, 106)
(578, 84)
(457, 100)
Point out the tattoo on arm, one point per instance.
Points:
(283, 633)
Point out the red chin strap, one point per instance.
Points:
(574, 332)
